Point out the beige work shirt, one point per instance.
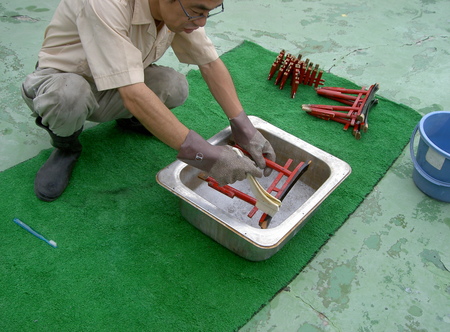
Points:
(112, 41)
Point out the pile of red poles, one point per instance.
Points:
(300, 72)
(357, 101)
(355, 114)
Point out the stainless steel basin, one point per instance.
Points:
(225, 219)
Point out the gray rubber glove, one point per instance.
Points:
(220, 162)
(251, 140)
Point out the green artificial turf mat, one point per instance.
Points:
(128, 261)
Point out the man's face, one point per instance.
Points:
(173, 15)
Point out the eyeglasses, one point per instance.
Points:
(219, 9)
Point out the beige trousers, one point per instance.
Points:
(65, 101)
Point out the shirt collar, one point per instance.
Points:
(141, 13)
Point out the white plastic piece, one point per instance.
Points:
(264, 201)
(434, 158)
(52, 243)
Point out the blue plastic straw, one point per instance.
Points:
(32, 231)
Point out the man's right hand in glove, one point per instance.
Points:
(220, 162)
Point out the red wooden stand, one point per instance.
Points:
(354, 115)
(291, 177)
(300, 72)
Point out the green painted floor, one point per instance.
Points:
(387, 268)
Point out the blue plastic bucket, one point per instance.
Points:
(431, 172)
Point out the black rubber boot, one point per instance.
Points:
(53, 177)
(133, 124)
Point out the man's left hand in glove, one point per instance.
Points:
(251, 140)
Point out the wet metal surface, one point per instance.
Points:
(225, 219)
